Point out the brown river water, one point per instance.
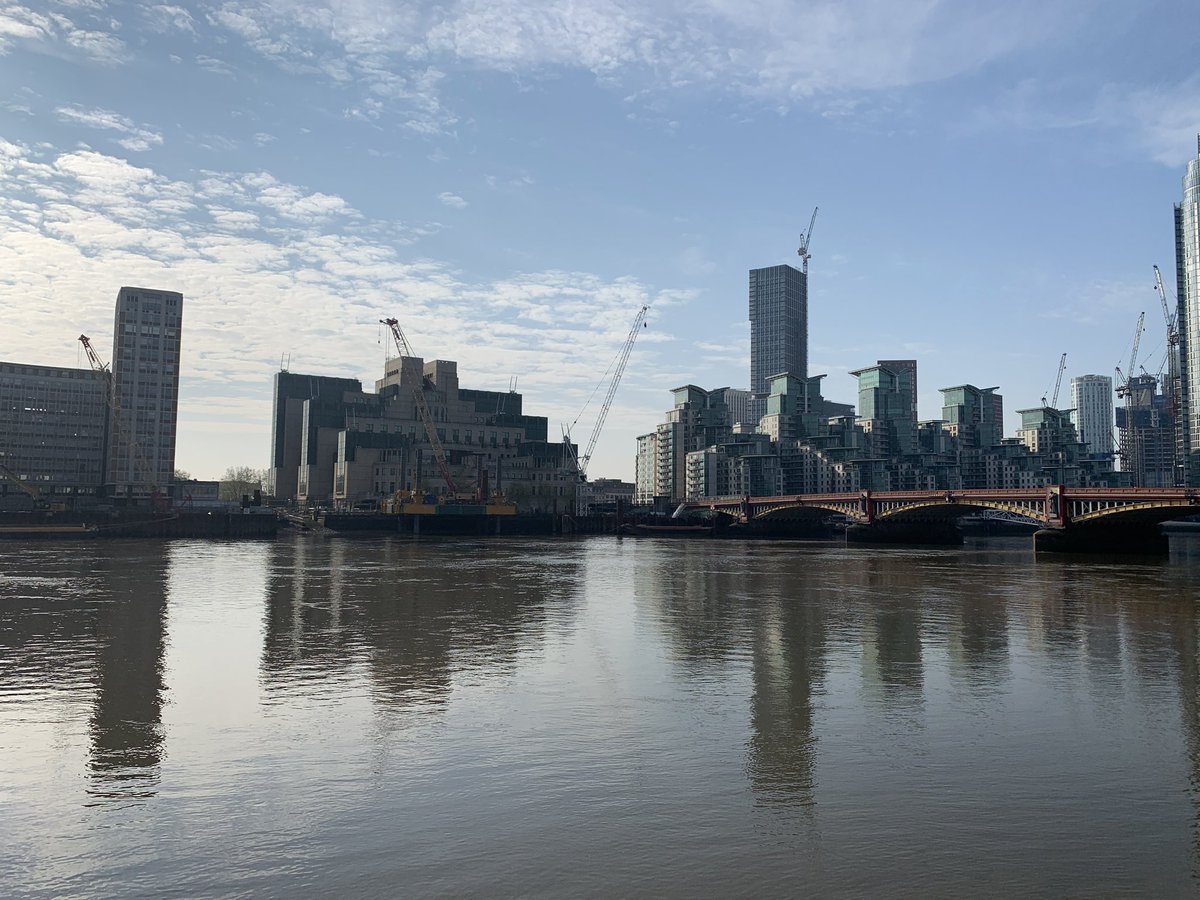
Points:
(397, 717)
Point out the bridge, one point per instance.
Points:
(1070, 519)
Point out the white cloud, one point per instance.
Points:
(269, 266)
(24, 24)
(778, 51)
(1164, 118)
(136, 138)
(452, 200)
(165, 18)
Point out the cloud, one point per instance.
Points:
(819, 52)
(452, 200)
(135, 138)
(23, 24)
(1162, 118)
(165, 18)
(269, 266)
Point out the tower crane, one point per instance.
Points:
(418, 392)
(31, 490)
(1062, 367)
(146, 478)
(1170, 319)
(1123, 387)
(1128, 442)
(805, 238)
(618, 369)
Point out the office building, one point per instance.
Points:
(53, 424)
(1187, 273)
(292, 433)
(75, 433)
(145, 372)
(341, 445)
(778, 326)
(1091, 397)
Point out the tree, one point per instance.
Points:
(239, 480)
(182, 475)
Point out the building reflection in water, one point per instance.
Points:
(126, 722)
(410, 615)
(788, 659)
(92, 624)
(896, 591)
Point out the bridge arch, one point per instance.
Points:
(1146, 512)
(1032, 511)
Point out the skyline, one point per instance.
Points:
(991, 194)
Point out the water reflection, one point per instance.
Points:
(91, 622)
(788, 666)
(126, 723)
(410, 615)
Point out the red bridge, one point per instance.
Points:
(1098, 519)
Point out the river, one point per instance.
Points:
(595, 717)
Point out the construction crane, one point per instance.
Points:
(1169, 318)
(1128, 444)
(418, 392)
(617, 368)
(1062, 367)
(105, 375)
(805, 238)
(29, 489)
(1122, 380)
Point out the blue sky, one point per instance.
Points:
(512, 180)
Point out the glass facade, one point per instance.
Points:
(1187, 269)
(778, 325)
(52, 424)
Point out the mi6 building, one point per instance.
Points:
(334, 443)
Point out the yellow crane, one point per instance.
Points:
(29, 489)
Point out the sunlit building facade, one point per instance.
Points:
(1187, 270)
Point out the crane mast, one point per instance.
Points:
(1062, 367)
(418, 392)
(618, 369)
(805, 238)
(12, 476)
(1137, 340)
(1170, 319)
(118, 424)
(1129, 445)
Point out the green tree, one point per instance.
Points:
(182, 475)
(240, 480)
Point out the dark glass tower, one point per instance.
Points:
(778, 326)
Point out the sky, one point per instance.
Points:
(512, 180)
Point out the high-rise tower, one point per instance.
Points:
(145, 369)
(1187, 271)
(1091, 397)
(778, 327)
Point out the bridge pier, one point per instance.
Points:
(945, 533)
(1140, 539)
